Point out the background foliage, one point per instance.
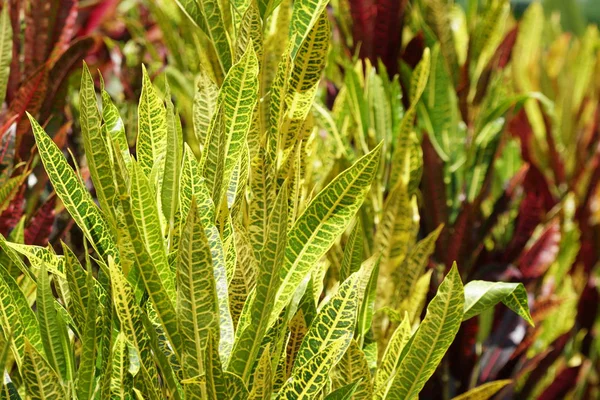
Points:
(298, 199)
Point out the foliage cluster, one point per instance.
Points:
(272, 210)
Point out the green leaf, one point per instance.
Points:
(353, 367)
(157, 275)
(432, 339)
(237, 99)
(197, 302)
(6, 47)
(482, 295)
(121, 381)
(41, 381)
(94, 143)
(485, 391)
(323, 220)
(113, 125)
(353, 252)
(304, 16)
(52, 329)
(310, 378)
(215, 379)
(73, 194)
(170, 178)
(262, 382)
(9, 317)
(152, 126)
(205, 102)
(132, 326)
(86, 375)
(247, 345)
(414, 266)
(336, 320)
(344, 393)
(392, 357)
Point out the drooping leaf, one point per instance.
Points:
(481, 295)
(484, 392)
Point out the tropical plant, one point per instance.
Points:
(217, 271)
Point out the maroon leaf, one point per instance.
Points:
(534, 261)
(561, 385)
(40, 226)
(363, 14)
(13, 213)
(387, 33)
(70, 59)
(15, 66)
(30, 96)
(434, 193)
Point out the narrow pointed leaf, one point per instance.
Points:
(323, 220)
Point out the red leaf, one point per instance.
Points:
(13, 213)
(504, 50)
(68, 60)
(30, 96)
(40, 226)
(531, 212)
(387, 33)
(363, 13)
(534, 261)
(434, 193)
(97, 15)
(561, 385)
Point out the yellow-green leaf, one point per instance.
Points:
(431, 341)
(481, 295)
(483, 392)
(323, 220)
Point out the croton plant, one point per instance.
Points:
(277, 199)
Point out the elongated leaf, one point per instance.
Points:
(248, 344)
(432, 339)
(485, 391)
(304, 17)
(10, 318)
(205, 101)
(121, 381)
(86, 375)
(323, 220)
(152, 126)
(197, 302)
(41, 381)
(113, 125)
(5, 50)
(73, 194)
(157, 276)
(353, 367)
(132, 326)
(94, 143)
(310, 378)
(262, 383)
(392, 357)
(481, 295)
(215, 379)
(237, 99)
(414, 267)
(353, 252)
(343, 393)
(50, 326)
(170, 182)
(335, 320)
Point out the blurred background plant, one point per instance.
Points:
(498, 154)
